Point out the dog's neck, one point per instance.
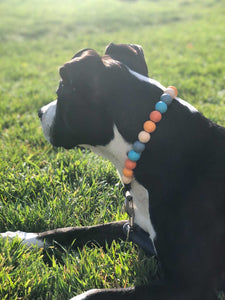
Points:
(115, 151)
(191, 108)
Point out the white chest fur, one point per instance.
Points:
(141, 208)
(116, 152)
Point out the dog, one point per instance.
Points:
(178, 183)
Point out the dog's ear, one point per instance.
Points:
(83, 72)
(129, 54)
(84, 65)
(81, 52)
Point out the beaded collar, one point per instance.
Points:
(144, 136)
(134, 232)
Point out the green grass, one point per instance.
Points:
(43, 188)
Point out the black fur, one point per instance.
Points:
(183, 166)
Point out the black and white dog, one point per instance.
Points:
(179, 183)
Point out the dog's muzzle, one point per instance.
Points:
(47, 116)
(40, 114)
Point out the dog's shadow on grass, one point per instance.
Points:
(144, 269)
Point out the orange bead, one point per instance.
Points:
(127, 172)
(155, 116)
(175, 90)
(149, 126)
(129, 164)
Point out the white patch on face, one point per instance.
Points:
(116, 152)
(27, 238)
(47, 120)
(83, 296)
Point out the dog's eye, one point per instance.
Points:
(65, 87)
(72, 86)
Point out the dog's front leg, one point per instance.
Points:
(157, 292)
(79, 236)
(75, 236)
(107, 294)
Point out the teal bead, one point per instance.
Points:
(161, 107)
(166, 98)
(133, 155)
(138, 147)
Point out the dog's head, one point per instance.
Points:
(82, 113)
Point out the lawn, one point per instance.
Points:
(44, 188)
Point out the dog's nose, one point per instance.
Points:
(40, 114)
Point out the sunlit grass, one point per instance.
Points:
(43, 188)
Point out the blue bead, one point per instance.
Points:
(138, 147)
(134, 156)
(161, 107)
(166, 98)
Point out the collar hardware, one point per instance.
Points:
(129, 208)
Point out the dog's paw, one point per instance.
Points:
(27, 238)
(84, 296)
